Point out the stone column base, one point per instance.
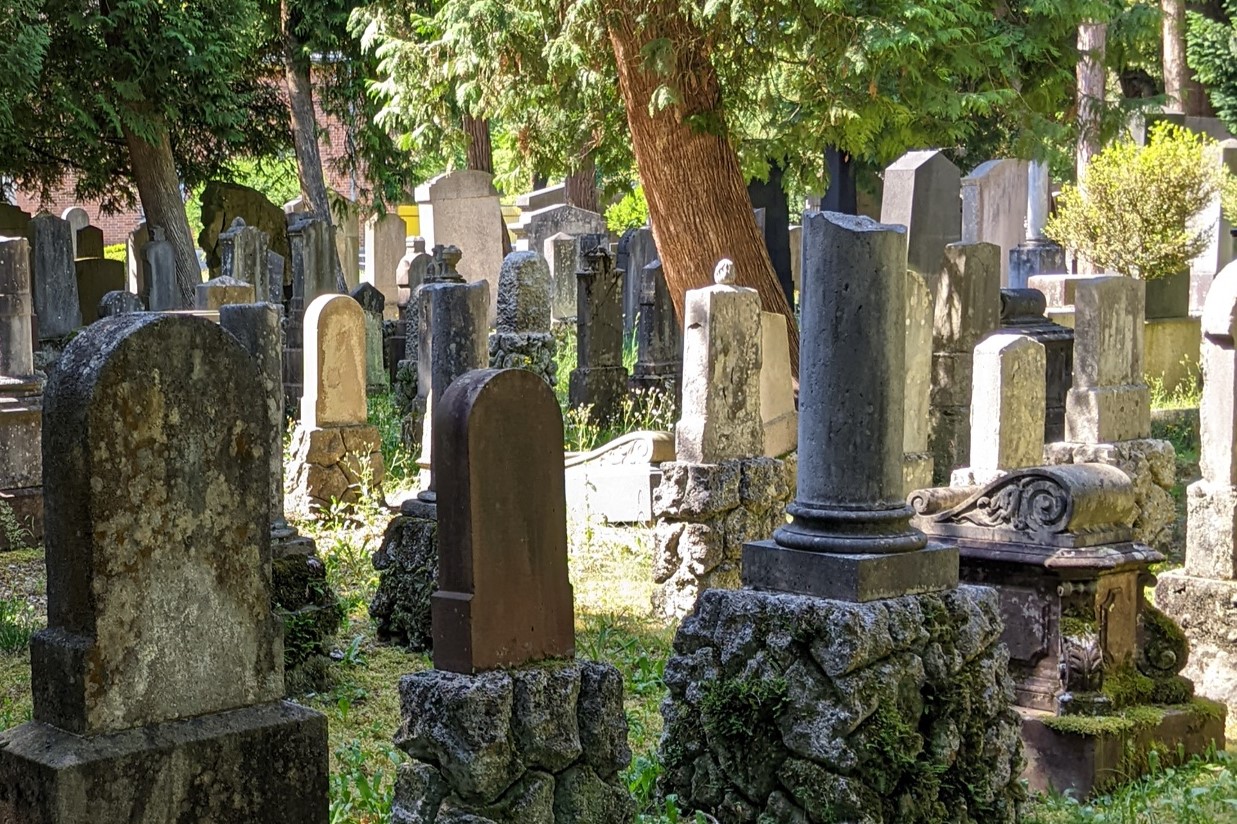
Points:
(542, 744)
(705, 514)
(794, 708)
(1206, 611)
(266, 763)
(407, 564)
(1151, 465)
(335, 465)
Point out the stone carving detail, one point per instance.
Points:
(1163, 650)
(1030, 503)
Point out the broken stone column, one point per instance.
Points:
(187, 585)
(1037, 255)
(159, 258)
(600, 379)
(373, 303)
(301, 595)
(720, 491)
(917, 427)
(1007, 409)
(1203, 595)
(522, 338)
(966, 307)
(659, 343)
(244, 251)
(1108, 408)
(222, 291)
(496, 732)
(21, 402)
(52, 277)
(763, 718)
(336, 454)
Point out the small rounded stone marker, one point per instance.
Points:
(723, 273)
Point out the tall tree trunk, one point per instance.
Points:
(158, 186)
(480, 151)
(1092, 38)
(695, 189)
(581, 185)
(1172, 31)
(305, 128)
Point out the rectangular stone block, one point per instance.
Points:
(1058, 289)
(1107, 414)
(259, 764)
(856, 578)
(1211, 540)
(1108, 331)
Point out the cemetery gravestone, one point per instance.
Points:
(535, 226)
(78, 219)
(1037, 255)
(1023, 313)
(222, 291)
(994, 207)
(385, 237)
(659, 343)
(89, 242)
(917, 426)
(181, 574)
(53, 280)
(96, 277)
(560, 254)
(777, 394)
(222, 204)
(160, 265)
(461, 209)
(119, 303)
(641, 251)
(244, 255)
(21, 404)
(599, 379)
(139, 278)
(522, 339)
(313, 275)
(373, 303)
(922, 192)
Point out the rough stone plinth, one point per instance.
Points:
(721, 373)
(536, 745)
(534, 351)
(335, 465)
(1206, 609)
(793, 709)
(1151, 464)
(407, 564)
(705, 514)
(222, 291)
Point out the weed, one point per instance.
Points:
(361, 793)
(1185, 395)
(16, 534)
(17, 624)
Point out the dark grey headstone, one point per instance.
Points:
(52, 276)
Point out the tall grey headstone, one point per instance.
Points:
(560, 252)
(659, 343)
(599, 379)
(385, 237)
(921, 192)
(994, 207)
(160, 263)
(53, 278)
(16, 307)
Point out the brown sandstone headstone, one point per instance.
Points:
(504, 598)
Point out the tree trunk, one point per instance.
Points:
(695, 189)
(581, 185)
(1172, 31)
(1092, 38)
(305, 129)
(158, 186)
(480, 151)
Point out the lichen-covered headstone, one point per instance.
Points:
(119, 302)
(373, 304)
(51, 272)
(243, 252)
(522, 339)
(162, 657)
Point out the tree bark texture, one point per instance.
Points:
(1172, 31)
(581, 185)
(480, 150)
(158, 186)
(305, 129)
(697, 195)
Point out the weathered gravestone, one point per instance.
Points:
(13, 220)
(561, 253)
(720, 491)
(1203, 595)
(135, 266)
(777, 395)
(413, 269)
(222, 291)
(1108, 408)
(159, 262)
(385, 237)
(118, 303)
(493, 734)
(967, 307)
(636, 250)
(599, 379)
(162, 660)
(336, 454)
(21, 403)
(52, 277)
(95, 278)
(222, 204)
(89, 242)
(522, 338)
(461, 209)
(78, 219)
(1023, 313)
(535, 226)
(994, 207)
(659, 343)
(313, 275)
(373, 304)
(781, 706)
(923, 193)
(244, 255)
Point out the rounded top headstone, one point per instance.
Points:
(723, 273)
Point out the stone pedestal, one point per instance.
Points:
(542, 744)
(618, 480)
(155, 774)
(1206, 609)
(335, 465)
(21, 463)
(407, 564)
(705, 514)
(788, 708)
(533, 351)
(1034, 257)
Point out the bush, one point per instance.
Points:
(1137, 213)
(631, 212)
(117, 251)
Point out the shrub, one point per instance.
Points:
(631, 212)
(1137, 213)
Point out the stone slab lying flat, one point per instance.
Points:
(859, 578)
(266, 764)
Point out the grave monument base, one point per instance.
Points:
(1206, 610)
(1089, 754)
(540, 744)
(265, 763)
(790, 708)
(335, 464)
(407, 564)
(533, 351)
(850, 577)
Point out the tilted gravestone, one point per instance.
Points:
(532, 741)
(162, 660)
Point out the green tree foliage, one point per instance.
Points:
(1138, 214)
(87, 72)
(1211, 51)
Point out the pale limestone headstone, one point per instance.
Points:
(1007, 408)
(994, 206)
(921, 192)
(384, 249)
(461, 209)
(917, 428)
(1109, 401)
(51, 271)
(334, 389)
(78, 219)
(560, 252)
(535, 226)
(222, 291)
(139, 278)
(777, 393)
(721, 373)
(412, 269)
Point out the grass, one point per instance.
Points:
(1185, 395)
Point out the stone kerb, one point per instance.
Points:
(336, 453)
(497, 732)
(162, 657)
